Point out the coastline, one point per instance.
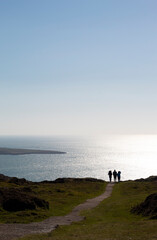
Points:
(17, 151)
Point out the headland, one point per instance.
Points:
(16, 151)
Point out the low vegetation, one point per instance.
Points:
(22, 201)
(112, 219)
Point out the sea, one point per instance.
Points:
(134, 155)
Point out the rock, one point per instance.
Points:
(149, 179)
(15, 180)
(148, 207)
(13, 199)
(63, 180)
(18, 181)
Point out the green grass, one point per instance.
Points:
(112, 219)
(62, 197)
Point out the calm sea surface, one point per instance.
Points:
(134, 155)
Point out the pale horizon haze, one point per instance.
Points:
(81, 67)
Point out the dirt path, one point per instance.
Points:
(12, 231)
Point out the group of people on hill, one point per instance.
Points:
(116, 175)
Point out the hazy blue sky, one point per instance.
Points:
(78, 67)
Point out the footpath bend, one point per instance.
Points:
(13, 231)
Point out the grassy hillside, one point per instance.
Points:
(61, 195)
(112, 219)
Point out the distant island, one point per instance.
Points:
(16, 151)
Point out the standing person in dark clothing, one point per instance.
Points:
(115, 175)
(118, 174)
(110, 175)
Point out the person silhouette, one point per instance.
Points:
(119, 175)
(115, 175)
(110, 175)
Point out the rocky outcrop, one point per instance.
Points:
(149, 179)
(13, 199)
(15, 180)
(148, 207)
(63, 180)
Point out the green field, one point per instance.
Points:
(62, 197)
(112, 219)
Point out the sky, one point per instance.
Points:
(78, 67)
